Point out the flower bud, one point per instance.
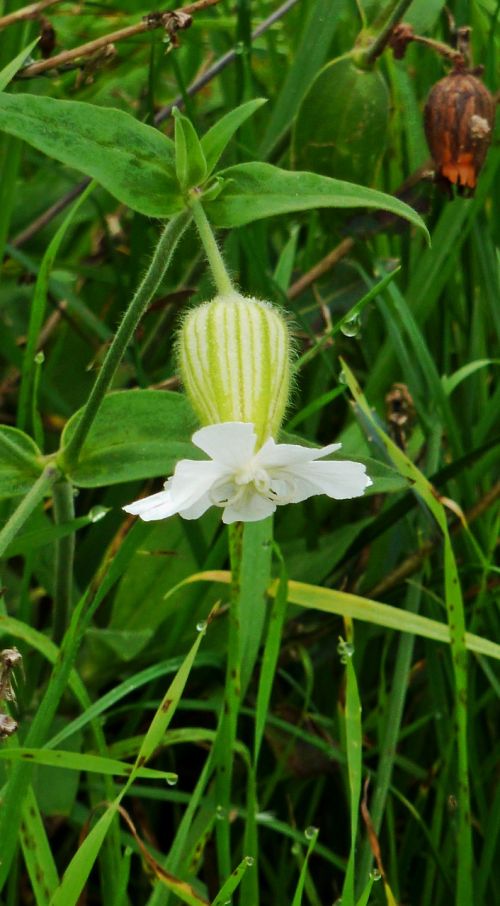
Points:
(234, 356)
(459, 117)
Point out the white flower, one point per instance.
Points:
(246, 483)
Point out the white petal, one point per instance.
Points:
(186, 489)
(229, 443)
(140, 506)
(197, 509)
(341, 480)
(272, 455)
(250, 507)
(192, 479)
(157, 506)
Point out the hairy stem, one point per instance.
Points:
(229, 722)
(145, 292)
(220, 275)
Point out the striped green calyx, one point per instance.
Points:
(234, 356)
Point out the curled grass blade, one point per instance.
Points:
(358, 608)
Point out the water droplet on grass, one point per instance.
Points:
(311, 832)
(352, 327)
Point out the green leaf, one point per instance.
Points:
(37, 311)
(19, 465)
(344, 604)
(311, 834)
(190, 163)
(137, 434)
(37, 854)
(342, 125)
(131, 160)
(9, 71)
(256, 190)
(314, 42)
(234, 880)
(451, 382)
(78, 761)
(215, 141)
(79, 868)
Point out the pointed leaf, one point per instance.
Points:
(9, 71)
(215, 141)
(190, 163)
(256, 190)
(131, 160)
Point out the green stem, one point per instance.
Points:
(145, 292)
(398, 10)
(64, 511)
(221, 277)
(392, 729)
(27, 505)
(232, 696)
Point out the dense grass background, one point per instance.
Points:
(433, 329)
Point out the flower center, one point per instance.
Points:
(227, 492)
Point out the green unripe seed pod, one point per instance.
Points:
(342, 123)
(234, 357)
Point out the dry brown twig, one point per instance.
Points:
(26, 12)
(171, 21)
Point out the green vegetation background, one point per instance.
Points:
(433, 329)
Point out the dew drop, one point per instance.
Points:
(342, 377)
(249, 860)
(376, 875)
(172, 779)
(39, 358)
(345, 650)
(201, 626)
(311, 833)
(220, 813)
(97, 513)
(352, 327)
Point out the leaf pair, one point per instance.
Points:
(151, 174)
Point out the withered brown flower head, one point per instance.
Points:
(459, 117)
(8, 726)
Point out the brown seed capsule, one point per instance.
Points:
(459, 117)
(8, 726)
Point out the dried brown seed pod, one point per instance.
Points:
(8, 726)
(10, 658)
(458, 119)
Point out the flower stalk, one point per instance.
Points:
(232, 699)
(160, 262)
(218, 268)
